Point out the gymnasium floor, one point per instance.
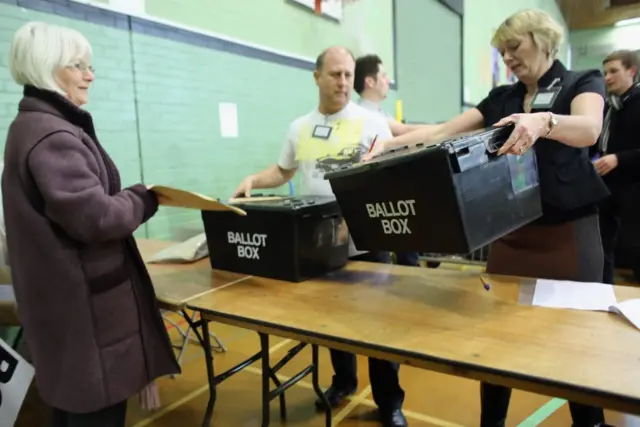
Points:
(431, 399)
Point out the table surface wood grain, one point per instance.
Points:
(436, 319)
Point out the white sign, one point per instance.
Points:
(228, 116)
(394, 215)
(16, 375)
(128, 7)
(136, 7)
(248, 244)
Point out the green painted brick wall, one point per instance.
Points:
(154, 102)
(180, 139)
(181, 143)
(367, 25)
(112, 95)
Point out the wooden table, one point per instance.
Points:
(176, 284)
(434, 319)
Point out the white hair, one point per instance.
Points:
(39, 50)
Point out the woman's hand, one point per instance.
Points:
(528, 128)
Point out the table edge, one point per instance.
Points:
(624, 401)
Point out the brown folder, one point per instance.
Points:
(187, 199)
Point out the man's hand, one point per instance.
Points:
(343, 233)
(606, 164)
(378, 149)
(245, 187)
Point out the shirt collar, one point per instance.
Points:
(556, 71)
(363, 101)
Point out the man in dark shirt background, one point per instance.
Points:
(617, 154)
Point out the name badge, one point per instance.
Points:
(322, 131)
(545, 98)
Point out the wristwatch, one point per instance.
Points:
(553, 122)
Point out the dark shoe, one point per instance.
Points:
(335, 396)
(394, 418)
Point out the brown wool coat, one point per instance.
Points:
(84, 296)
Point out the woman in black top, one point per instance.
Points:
(558, 113)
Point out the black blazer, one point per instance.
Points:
(624, 142)
(569, 185)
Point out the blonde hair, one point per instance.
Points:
(39, 50)
(546, 32)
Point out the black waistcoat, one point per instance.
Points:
(569, 185)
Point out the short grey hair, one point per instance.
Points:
(39, 50)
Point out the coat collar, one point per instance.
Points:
(556, 71)
(50, 102)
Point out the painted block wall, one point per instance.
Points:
(482, 18)
(590, 47)
(111, 97)
(429, 73)
(366, 27)
(155, 101)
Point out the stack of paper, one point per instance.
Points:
(585, 296)
(575, 295)
(629, 309)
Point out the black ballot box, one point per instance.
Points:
(285, 238)
(452, 197)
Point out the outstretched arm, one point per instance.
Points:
(66, 173)
(468, 121)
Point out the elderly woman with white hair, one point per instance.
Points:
(85, 299)
(558, 113)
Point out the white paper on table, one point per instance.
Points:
(574, 295)
(629, 309)
(228, 116)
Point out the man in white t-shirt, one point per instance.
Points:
(371, 82)
(337, 132)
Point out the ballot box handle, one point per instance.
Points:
(495, 141)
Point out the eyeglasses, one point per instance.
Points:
(82, 67)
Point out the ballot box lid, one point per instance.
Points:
(491, 138)
(285, 204)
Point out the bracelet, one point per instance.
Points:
(553, 122)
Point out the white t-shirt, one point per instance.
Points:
(372, 106)
(353, 129)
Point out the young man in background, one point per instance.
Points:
(617, 155)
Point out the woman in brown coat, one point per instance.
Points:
(84, 296)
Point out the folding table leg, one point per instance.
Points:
(186, 336)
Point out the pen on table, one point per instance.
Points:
(485, 283)
(373, 143)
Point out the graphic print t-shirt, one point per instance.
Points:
(353, 129)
